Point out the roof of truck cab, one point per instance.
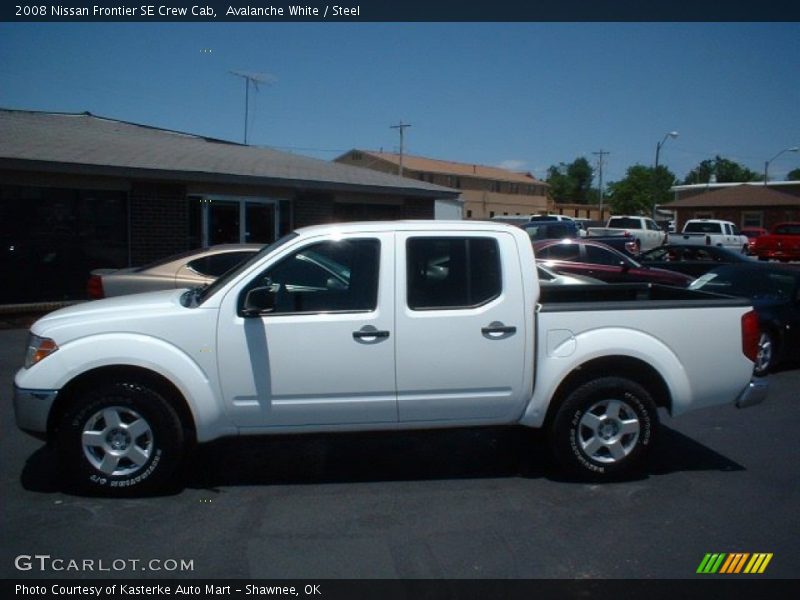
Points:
(415, 225)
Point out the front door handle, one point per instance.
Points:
(498, 328)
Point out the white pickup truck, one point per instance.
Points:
(711, 232)
(378, 326)
(644, 229)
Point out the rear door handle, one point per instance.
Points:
(369, 332)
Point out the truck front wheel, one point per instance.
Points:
(118, 439)
(604, 428)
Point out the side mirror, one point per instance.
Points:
(624, 266)
(258, 301)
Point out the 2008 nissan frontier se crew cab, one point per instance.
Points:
(379, 326)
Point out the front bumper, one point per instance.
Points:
(754, 393)
(32, 409)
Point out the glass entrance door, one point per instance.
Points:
(223, 222)
(259, 220)
(227, 220)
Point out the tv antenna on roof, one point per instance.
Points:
(256, 79)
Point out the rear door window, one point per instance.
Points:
(452, 273)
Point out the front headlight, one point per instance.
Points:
(38, 349)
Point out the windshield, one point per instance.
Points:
(625, 222)
(754, 283)
(702, 227)
(197, 296)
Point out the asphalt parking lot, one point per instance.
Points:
(444, 504)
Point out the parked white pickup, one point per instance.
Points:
(379, 326)
(644, 229)
(711, 232)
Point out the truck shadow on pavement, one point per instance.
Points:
(392, 456)
(418, 455)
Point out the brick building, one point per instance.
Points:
(744, 204)
(485, 191)
(79, 192)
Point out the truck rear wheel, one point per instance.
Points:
(119, 439)
(765, 359)
(604, 428)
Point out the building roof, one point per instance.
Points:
(741, 196)
(85, 143)
(446, 167)
(717, 186)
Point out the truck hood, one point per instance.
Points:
(120, 312)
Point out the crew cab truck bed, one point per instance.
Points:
(378, 326)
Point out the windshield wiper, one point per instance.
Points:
(193, 297)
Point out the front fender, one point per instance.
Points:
(197, 383)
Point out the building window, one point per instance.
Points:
(357, 156)
(51, 238)
(469, 214)
(752, 218)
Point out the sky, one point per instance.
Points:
(519, 95)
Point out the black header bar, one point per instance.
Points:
(400, 11)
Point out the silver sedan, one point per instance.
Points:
(185, 270)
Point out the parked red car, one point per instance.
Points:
(782, 244)
(752, 233)
(593, 259)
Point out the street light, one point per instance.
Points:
(671, 134)
(766, 164)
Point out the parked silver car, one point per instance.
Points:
(185, 270)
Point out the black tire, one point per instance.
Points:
(767, 352)
(604, 429)
(120, 439)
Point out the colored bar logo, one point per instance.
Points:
(734, 563)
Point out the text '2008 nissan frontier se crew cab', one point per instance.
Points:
(376, 326)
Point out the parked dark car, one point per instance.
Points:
(594, 259)
(774, 291)
(551, 230)
(691, 260)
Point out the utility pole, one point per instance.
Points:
(401, 128)
(600, 154)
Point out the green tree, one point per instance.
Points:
(725, 171)
(642, 185)
(793, 175)
(571, 182)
